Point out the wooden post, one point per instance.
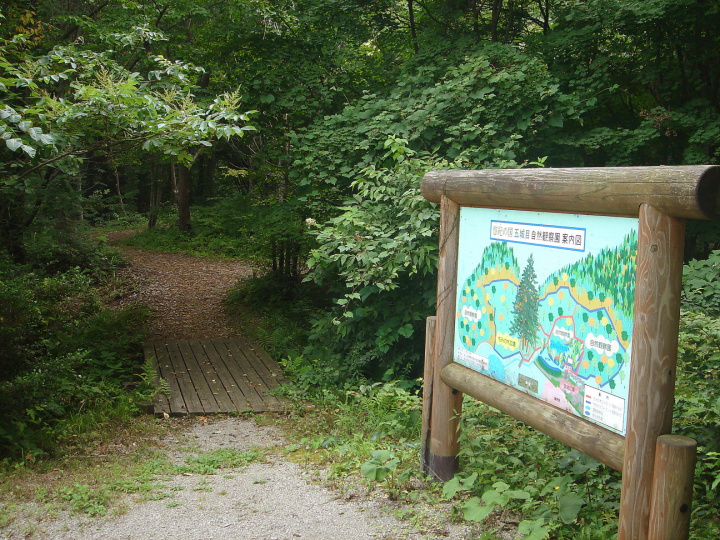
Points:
(446, 402)
(427, 393)
(672, 488)
(654, 356)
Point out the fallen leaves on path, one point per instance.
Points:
(185, 292)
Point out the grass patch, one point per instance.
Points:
(123, 458)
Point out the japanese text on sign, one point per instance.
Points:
(539, 235)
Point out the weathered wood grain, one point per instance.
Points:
(654, 357)
(197, 377)
(176, 401)
(428, 374)
(274, 369)
(447, 402)
(253, 370)
(691, 192)
(675, 458)
(160, 402)
(241, 372)
(237, 392)
(213, 376)
(207, 364)
(184, 379)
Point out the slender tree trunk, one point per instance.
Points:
(510, 20)
(118, 191)
(495, 20)
(545, 12)
(413, 30)
(155, 174)
(173, 183)
(183, 198)
(476, 19)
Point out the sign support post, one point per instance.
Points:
(657, 468)
(658, 285)
(446, 407)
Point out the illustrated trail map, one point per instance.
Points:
(545, 304)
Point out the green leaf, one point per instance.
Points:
(14, 144)
(406, 331)
(473, 511)
(451, 487)
(555, 120)
(534, 530)
(570, 505)
(29, 150)
(374, 472)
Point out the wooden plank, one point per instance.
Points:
(276, 372)
(212, 376)
(268, 369)
(658, 285)
(447, 402)
(236, 393)
(176, 401)
(256, 373)
(197, 377)
(239, 372)
(598, 443)
(184, 381)
(212, 366)
(161, 405)
(675, 459)
(690, 191)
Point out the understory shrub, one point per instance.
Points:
(697, 413)
(377, 259)
(63, 349)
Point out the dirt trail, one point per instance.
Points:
(185, 292)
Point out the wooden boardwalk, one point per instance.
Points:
(214, 376)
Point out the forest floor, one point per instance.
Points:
(185, 292)
(269, 498)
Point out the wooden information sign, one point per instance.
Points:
(558, 303)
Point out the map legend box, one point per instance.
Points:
(604, 408)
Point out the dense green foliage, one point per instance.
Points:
(105, 111)
(64, 349)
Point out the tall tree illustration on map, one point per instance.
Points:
(525, 323)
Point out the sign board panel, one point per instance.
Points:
(545, 304)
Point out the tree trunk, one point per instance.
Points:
(155, 193)
(413, 30)
(118, 191)
(495, 20)
(173, 183)
(183, 198)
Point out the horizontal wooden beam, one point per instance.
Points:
(688, 192)
(598, 443)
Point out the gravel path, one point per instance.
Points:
(272, 499)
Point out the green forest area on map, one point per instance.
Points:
(556, 341)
